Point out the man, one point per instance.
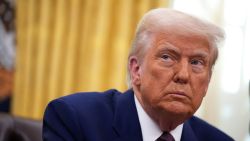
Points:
(170, 66)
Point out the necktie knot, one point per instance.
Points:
(165, 137)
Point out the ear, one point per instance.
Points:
(134, 68)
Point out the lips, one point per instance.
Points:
(178, 94)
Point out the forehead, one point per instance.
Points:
(169, 47)
(185, 40)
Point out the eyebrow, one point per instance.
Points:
(200, 53)
(169, 47)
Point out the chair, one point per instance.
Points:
(14, 128)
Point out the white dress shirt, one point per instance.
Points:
(150, 130)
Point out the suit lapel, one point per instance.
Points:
(188, 133)
(126, 122)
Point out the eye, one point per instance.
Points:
(165, 56)
(167, 59)
(196, 62)
(198, 65)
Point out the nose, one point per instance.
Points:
(181, 73)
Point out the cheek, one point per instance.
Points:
(156, 75)
(152, 86)
(154, 82)
(199, 90)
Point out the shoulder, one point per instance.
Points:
(86, 100)
(66, 116)
(89, 96)
(205, 131)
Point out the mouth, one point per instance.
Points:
(178, 94)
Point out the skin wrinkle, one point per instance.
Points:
(171, 65)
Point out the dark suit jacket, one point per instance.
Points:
(109, 116)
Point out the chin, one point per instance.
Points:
(178, 111)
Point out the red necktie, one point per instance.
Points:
(165, 137)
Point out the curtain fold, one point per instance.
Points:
(69, 46)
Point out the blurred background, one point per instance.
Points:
(52, 48)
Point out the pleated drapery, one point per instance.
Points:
(66, 46)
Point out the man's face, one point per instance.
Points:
(173, 77)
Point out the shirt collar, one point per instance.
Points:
(150, 130)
